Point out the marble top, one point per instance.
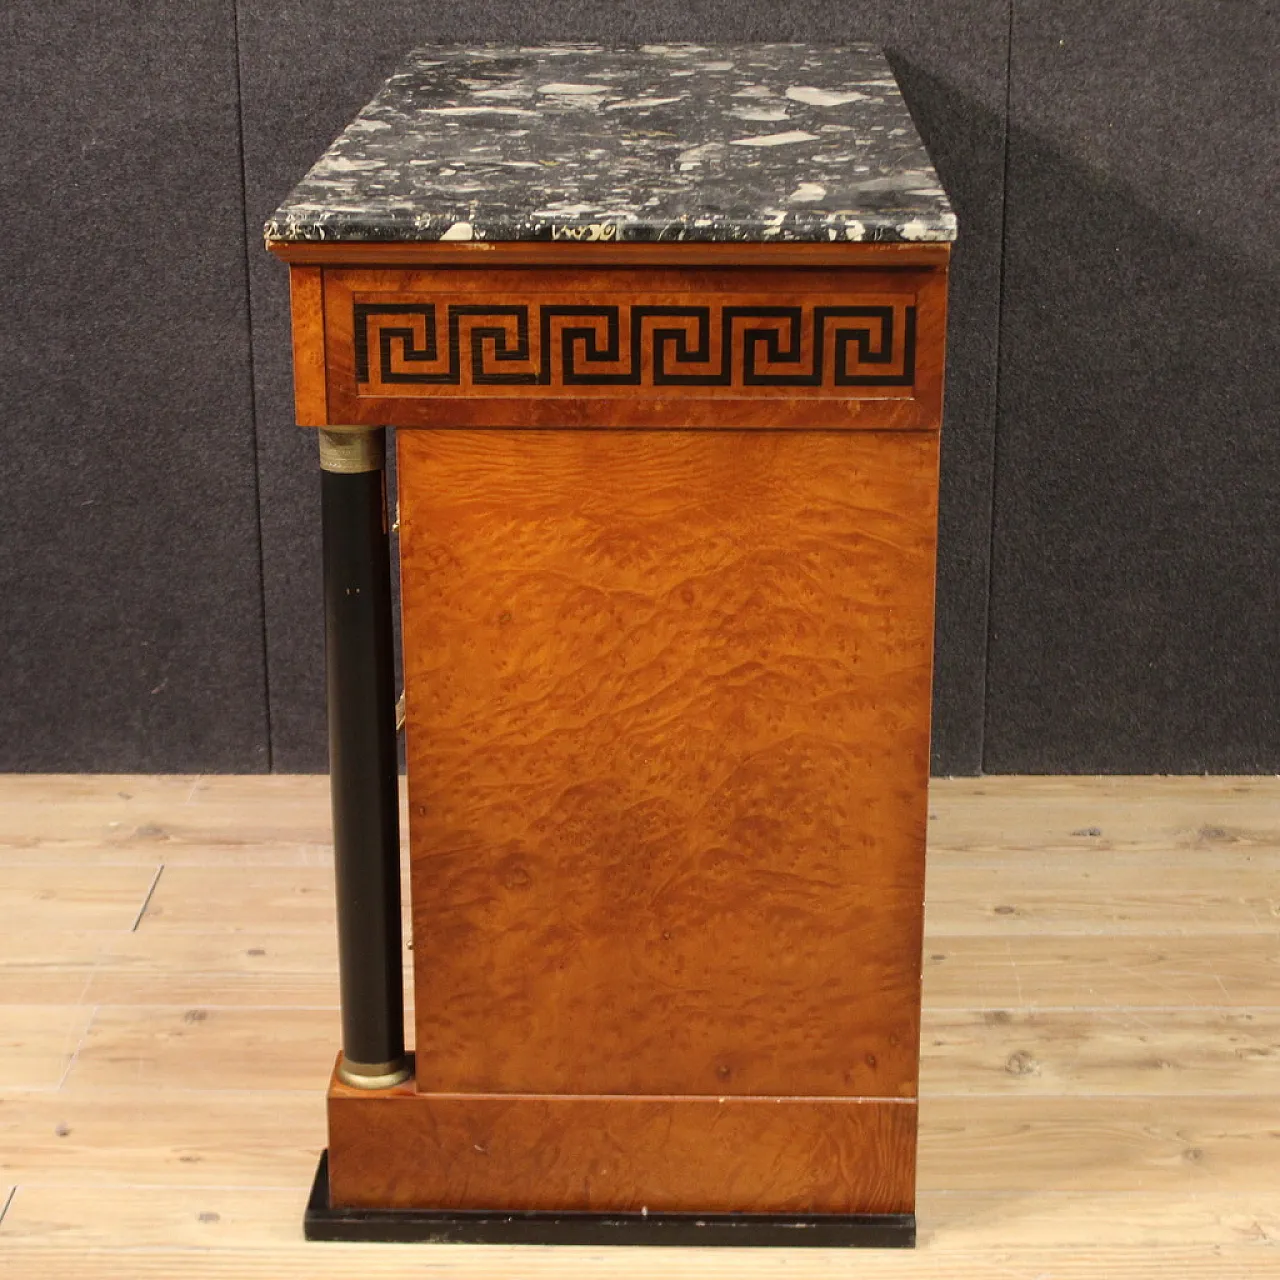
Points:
(660, 142)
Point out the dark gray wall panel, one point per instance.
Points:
(131, 624)
(1136, 575)
(306, 68)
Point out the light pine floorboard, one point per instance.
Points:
(1101, 1038)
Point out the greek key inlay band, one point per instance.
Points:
(557, 345)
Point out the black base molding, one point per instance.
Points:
(485, 1226)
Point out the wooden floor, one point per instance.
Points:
(1101, 1083)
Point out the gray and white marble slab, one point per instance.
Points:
(661, 142)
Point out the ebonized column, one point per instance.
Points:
(363, 761)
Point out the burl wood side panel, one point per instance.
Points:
(306, 304)
(543, 347)
(668, 727)
(406, 1150)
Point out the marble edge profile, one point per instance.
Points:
(793, 228)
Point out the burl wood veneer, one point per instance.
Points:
(402, 1149)
(667, 758)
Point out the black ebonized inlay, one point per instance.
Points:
(867, 331)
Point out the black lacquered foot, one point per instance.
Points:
(739, 1230)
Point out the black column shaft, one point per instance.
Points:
(363, 771)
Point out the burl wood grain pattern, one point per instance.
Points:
(306, 304)
(696, 347)
(668, 726)
(402, 1149)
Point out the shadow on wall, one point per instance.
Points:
(965, 140)
(1137, 529)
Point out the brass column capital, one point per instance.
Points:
(351, 450)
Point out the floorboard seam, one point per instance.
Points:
(75, 1053)
(146, 902)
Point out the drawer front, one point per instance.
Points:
(712, 348)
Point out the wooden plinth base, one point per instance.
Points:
(401, 1149)
(736, 1230)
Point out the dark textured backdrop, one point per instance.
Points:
(1110, 569)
